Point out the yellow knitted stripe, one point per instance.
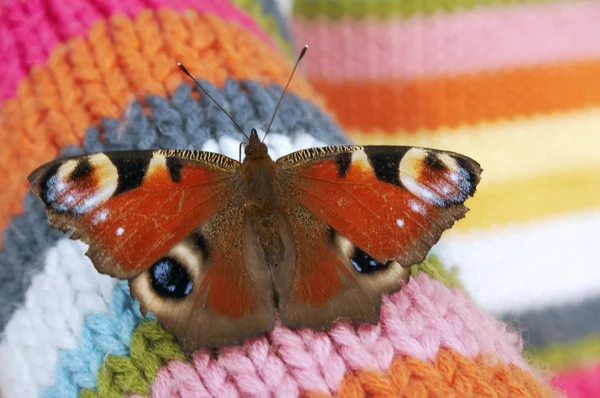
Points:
(533, 198)
(512, 150)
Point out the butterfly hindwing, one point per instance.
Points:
(326, 277)
(210, 289)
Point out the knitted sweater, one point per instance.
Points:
(86, 76)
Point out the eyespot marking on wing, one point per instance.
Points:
(360, 260)
(435, 177)
(82, 169)
(172, 275)
(170, 279)
(79, 186)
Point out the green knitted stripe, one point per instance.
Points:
(384, 9)
(567, 355)
(151, 347)
(266, 22)
(433, 267)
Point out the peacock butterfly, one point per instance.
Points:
(213, 246)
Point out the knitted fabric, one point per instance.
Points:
(515, 85)
(86, 76)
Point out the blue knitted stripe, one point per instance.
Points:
(101, 335)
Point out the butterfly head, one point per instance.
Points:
(255, 149)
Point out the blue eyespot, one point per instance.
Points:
(170, 279)
(366, 264)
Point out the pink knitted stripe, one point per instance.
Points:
(417, 321)
(580, 383)
(30, 29)
(484, 39)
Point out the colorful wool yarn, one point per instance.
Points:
(515, 85)
(86, 76)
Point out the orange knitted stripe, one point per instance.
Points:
(393, 105)
(451, 375)
(96, 76)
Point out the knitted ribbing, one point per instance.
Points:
(52, 319)
(151, 347)
(512, 84)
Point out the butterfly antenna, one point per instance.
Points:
(285, 89)
(184, 69)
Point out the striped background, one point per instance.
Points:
(516, 85)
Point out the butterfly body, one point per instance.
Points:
(214, 247)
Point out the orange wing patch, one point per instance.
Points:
(319, 272)
(228, 289)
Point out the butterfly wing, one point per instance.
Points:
(366, 214)
(171, 222)
(211, 289)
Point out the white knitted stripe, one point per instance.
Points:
(51, 319)
(528, 266)
(278, 144)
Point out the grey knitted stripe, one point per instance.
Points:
(179, 122)
(557, 324)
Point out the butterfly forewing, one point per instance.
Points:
(131, 207)
(391, 202)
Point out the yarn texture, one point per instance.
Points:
(89, 76)
(514, 85)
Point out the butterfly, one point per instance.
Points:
(214, 247)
